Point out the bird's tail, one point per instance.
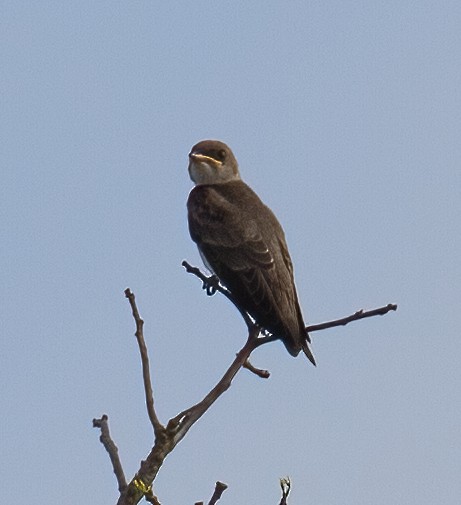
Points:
(307, 351)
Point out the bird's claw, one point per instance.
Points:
(211, 285)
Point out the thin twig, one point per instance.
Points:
(177, 427)
(264, 374)
(111, 448)
(285, 484)
(360, 314)
(211, 284)
(218, 491)
(158, 427)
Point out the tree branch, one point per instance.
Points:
(360, 314)
(264, 374)
(211, 285)
(158, 427)
(212, 281)
(218, 491)
(166, 438)
(285, 484)
(111, 448)
(182, 423)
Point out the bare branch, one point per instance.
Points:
(151, 498)
(360, 314)
(158, 427)
(177, 427)
(211, 284)
(111, 448)
(218, 491)
(181, 424)
(264, 374)
(215, 286)
(166, 438)
(285, 484)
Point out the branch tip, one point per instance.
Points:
(285, 484)
(264, 374)
(219, 489)
(359, 314)
(157, 426)
(112, 450)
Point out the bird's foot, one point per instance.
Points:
(210, 285)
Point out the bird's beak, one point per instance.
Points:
(202, 158)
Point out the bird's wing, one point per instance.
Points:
(245, 246)
(226, 231)
(230, 239)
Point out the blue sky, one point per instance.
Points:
(345, 118)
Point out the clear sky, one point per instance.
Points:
(345, 117)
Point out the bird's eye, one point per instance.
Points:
(221, 155)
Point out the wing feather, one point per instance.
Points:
(245, 246)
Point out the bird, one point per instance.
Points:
(241, 241)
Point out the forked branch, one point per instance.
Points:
(212, 285)
(167, 437)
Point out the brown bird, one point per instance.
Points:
(241, 241)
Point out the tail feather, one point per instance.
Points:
(307, 351)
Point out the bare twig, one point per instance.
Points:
(285, 484)
(166, 438)
(360, 314)
(264, 374)
(111, 448)
(158, 427)
(211, 284)
(218, 491)
(177, 427)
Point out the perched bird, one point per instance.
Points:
(241, 241)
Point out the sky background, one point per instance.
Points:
(345, 117)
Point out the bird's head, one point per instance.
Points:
(212, 162)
